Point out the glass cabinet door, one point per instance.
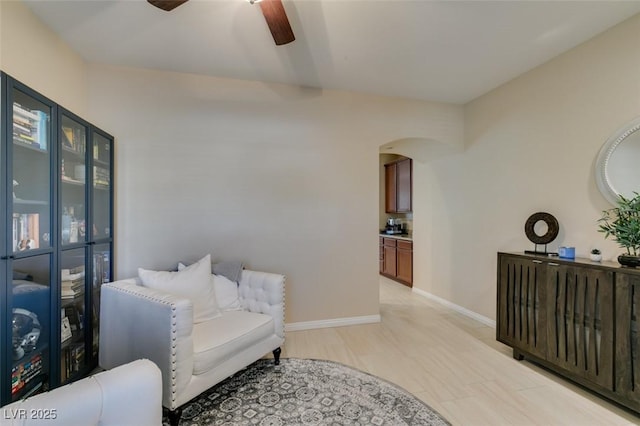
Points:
(30, 173)
(72, 313)
(101, 274)
(101, 208)
(27, 253)
(73, 177)
(30, 324)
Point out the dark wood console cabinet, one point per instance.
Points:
(575, 317)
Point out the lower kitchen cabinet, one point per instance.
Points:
(396, 259)
(575, 317)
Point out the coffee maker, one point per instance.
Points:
(394, 226)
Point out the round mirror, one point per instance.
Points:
(617, 171)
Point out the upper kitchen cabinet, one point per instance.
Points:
(398, 184)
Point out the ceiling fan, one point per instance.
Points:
(272, 10)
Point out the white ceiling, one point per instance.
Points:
(451, 51)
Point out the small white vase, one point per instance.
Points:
(595, 257)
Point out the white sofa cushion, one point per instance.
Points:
(193, 283)
(226, 291)
(221, 338)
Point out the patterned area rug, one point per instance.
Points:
(306, 392)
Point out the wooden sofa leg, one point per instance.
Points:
(276, 356)
(174, 416)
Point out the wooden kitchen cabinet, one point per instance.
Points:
(388, 259)
(404, 262)
(398, 186)
(396, 260)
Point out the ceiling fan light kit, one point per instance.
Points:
(273, 12)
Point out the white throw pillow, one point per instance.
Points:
(226, 291)
(193, 282)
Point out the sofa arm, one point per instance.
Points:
(138, 322)
(263, 292)
(129, 395)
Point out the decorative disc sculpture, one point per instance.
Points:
(550, 235)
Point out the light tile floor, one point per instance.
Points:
(455, 365)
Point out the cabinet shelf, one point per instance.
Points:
(20, 201)
(33, 147)
(71, 181)
(71, 151)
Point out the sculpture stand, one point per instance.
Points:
(543, 253)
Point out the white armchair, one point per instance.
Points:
(139, 322)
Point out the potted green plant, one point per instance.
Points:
(622, 223)
(595, 255)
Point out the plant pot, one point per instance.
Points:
(629, 260)
(595, 257)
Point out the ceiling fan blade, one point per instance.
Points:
(277, 20)
(167, 4)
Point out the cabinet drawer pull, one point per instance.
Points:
(537, 261)
(553, 264)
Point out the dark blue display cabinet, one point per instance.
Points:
(56, 250)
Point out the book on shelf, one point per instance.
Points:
(42, 129)
(70, 289)
(74, 139)
(72, 360)
(72, 282)
(71, 293)
(77, 357)
(65, 330)
(23, 111)
(74, 315)
(100, 268)
(72, 273)
(101, 176)
(67, 138)
(30, 127)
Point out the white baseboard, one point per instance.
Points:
(337, 322)
(464, 311)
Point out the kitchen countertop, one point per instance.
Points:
(407, 237)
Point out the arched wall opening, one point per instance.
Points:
(418, 222)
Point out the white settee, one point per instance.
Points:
(128, 395)
(141, 322)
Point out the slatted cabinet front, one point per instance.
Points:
(522, 305)
(627, 338)
(580, 324)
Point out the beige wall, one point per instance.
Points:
(287, 179)
(283, 178)
(33, 54)
(530, 146)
